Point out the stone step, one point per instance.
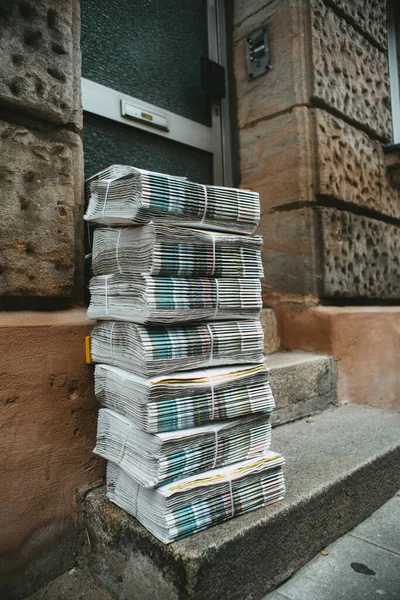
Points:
(341, 466)
(303, 383)
(269, 322)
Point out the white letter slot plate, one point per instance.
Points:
(130, 111)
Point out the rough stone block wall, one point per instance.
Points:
(47, 406)
(311, 141)
(40, 66)
(41, 179)
(41, 156)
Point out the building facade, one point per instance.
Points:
(312, 135)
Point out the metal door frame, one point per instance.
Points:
(393, 71)
(106, 102)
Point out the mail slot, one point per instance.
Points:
(130, 111)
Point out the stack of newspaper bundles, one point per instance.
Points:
(185, 395)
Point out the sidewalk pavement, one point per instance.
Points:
(362, 565)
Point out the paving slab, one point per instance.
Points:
(76, 584)
(352, 570)
(383, 527)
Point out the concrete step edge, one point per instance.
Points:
(303, 384)
(340, 468)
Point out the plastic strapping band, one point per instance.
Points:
(111, 342)
(213, 256)
(106, 292)
(217, 303)
(212, 415)
(211, 343)
(205, 203)
(136, 499)
(216, 449)
(117, 257)
(231, 495)
(106, 198)
(123, 445)
(122, 390)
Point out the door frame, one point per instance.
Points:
(106, 102)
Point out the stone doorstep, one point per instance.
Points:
(303, 384)
(340, 468)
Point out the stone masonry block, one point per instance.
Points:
(318, 58)
(364, 340)
(367, 15)
(327, 253)
(287, 84)
(325, 156)
(40, 65)
(41, 200)
(48, 415)
(360, 256)
(272, 149)
(351, 166)
(270, 327)
(350, 75)
(289, 254)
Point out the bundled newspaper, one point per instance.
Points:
(166, 250)
(126, 195)
(186, 399)
(144, 299)
(155, 350)
(181, 508)
(152, 459)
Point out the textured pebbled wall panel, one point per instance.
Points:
(40, 66)
(369, 16)
(351, 166)
(350, 75)
(360, 256)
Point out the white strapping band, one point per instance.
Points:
(123, 445)
(211, 343)
(231, 495)
(122, 390)
(106, 198)
(213, 255)
(136, 499)
(217, 302)
(205, 202)
(216, 449)
(106, 292)
(117, 249)
(212, 412)
(111, 342)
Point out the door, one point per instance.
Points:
(142, 97)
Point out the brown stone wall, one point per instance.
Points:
(47, 406)
(311, 142)
(364, 341)
(47, 425)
